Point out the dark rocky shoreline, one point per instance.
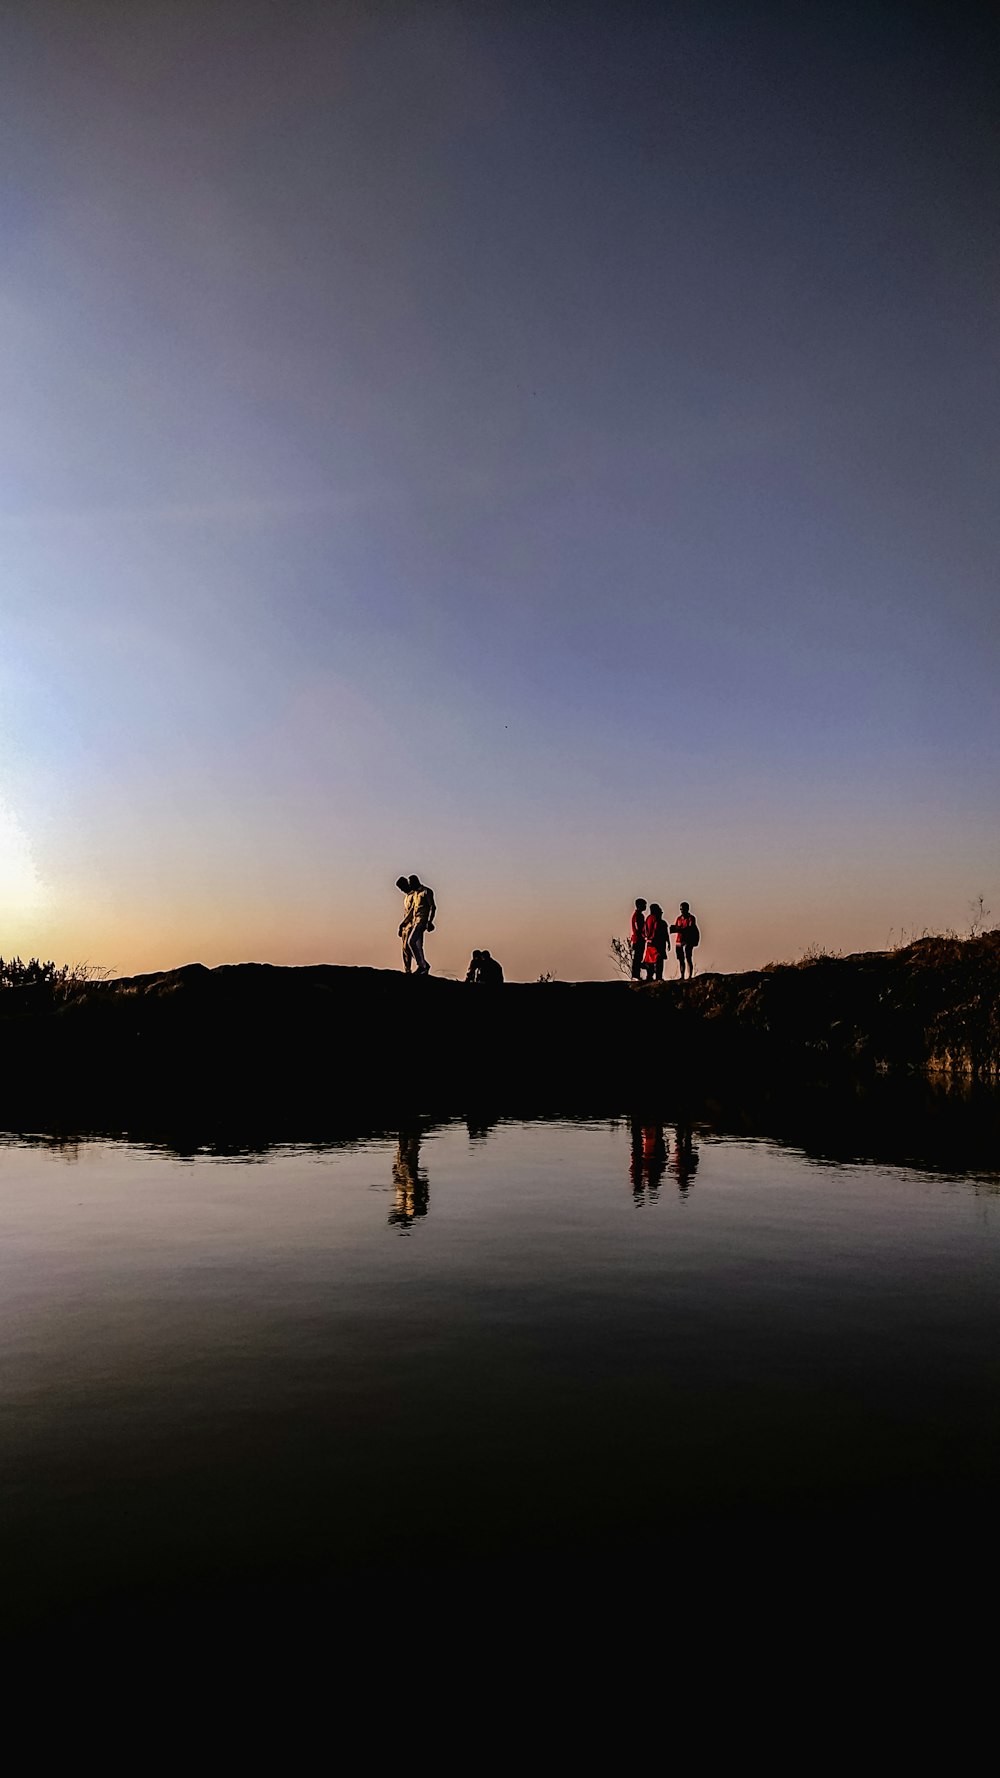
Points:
(341, 1040)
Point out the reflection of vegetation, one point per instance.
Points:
(944, 1124)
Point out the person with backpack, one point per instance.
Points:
(637, 939)
(657, 935)
(422, 920)
(686, 928)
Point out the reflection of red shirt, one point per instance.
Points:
(638, 925)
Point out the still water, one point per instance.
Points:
(473, 1349)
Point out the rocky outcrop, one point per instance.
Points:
(934, 1004)
(253, 1032)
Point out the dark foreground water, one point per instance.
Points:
(543, 1355)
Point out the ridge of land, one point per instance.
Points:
(343, 1035)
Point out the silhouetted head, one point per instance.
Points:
(414, 883)
(476, 955)
(401, 883)
(655, 908)
(486, 956)
(685, 907)
(640, 903)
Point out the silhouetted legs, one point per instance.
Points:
(684, 1160)
(412, 1190)
(647, 1160)
(417, 948)
(684, 957)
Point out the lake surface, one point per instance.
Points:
(515, 1348)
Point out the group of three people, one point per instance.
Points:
(650, 940)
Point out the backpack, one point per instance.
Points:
(689, 934)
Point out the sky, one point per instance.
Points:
(553, 449)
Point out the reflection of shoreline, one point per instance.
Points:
(649, 1159)
(939, 1126)
(412, 1189)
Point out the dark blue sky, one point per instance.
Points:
(551, 448)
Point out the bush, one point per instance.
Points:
(620, 953)
(15, 974)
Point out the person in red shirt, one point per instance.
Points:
(657, 940)
(638, 938)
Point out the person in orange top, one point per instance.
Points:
(638, 938)
(686, 928)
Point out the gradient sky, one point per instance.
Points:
(553, 449)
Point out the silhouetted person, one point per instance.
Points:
(648, 1159)
(657, 939)
(484, 970)
(490, 972)
(637, 938)
(479, 1125)
(403, 884)
(412, 1190)
(686, 928)
(424, 911)
(684, 1159)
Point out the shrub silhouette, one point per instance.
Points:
(15, 974)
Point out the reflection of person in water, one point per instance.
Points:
(647, 1161)
(479, 1125)
(412, 1190)
(684, 1157)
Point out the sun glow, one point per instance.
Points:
(22, 891)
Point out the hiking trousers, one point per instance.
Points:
(416, 942)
